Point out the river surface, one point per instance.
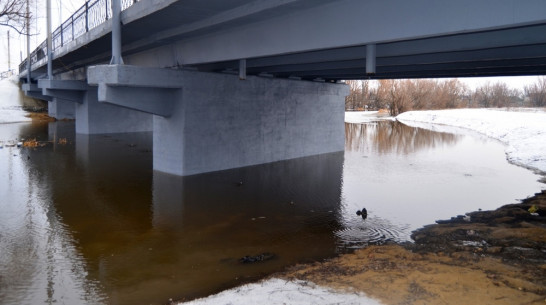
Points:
(90, 222)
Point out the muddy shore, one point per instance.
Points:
(484, 257)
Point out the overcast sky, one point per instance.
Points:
(62, 9)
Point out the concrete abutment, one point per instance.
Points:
(216, 121)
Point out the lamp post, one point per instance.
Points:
(49, 42)
(28, 43)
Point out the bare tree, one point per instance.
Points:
(359, 95)
(420, 92)
(537, 92)
(394, 94)
(495, 95)
(14, 14)
(449, 94)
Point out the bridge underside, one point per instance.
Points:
(438, 57)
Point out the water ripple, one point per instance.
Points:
(358, 233)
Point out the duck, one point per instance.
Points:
(363, 213)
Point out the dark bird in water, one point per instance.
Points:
(363, 213)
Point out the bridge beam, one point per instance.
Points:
(33, 91)
(71, 90)
(149, 90)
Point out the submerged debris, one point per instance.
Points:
(31, 143)
(256, 258)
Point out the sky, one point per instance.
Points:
(61, 10)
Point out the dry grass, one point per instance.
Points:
(40, 117)
(32, 143)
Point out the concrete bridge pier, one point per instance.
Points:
(93, 117)
(61, 109)
(77, 98)
(206, 122)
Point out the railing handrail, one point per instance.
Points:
(90, 15)
(6, 74)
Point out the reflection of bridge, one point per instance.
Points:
(290, 53)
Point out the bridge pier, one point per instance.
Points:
(93, 117)
(61, 109)
(216, 121)
(76, 99)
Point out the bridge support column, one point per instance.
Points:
(206, 122)
(220, 122)
(93, 117)
(61, 109)
(64, 94)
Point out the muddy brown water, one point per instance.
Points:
(90, 222)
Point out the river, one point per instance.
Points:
(89, 222)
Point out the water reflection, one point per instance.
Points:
(385, 137)
(408, 177)
(205, 223)
(39, 261)
(112, 231)
(90, 222)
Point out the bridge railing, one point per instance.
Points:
(92, 14)
(7, 74)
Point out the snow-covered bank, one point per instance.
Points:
(10, 102)
(277, 291)
(524, 133)
(358, 117)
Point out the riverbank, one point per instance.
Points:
(521, 130)
(484, 257)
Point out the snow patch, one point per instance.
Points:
(359, 117)
(10, 104)
(523, 132)
(278, 291)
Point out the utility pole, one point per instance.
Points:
(49, 42)
(9, 54)
(28, 43)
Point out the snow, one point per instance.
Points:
(359, 117)
(10, 104)
(278, 291)
(522, 131)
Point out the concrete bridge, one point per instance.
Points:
(226, 84)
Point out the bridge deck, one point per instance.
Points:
(312, 39)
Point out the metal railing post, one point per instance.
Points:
(86, 16)
(72, 26)
(116, 33)
(106, 7)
